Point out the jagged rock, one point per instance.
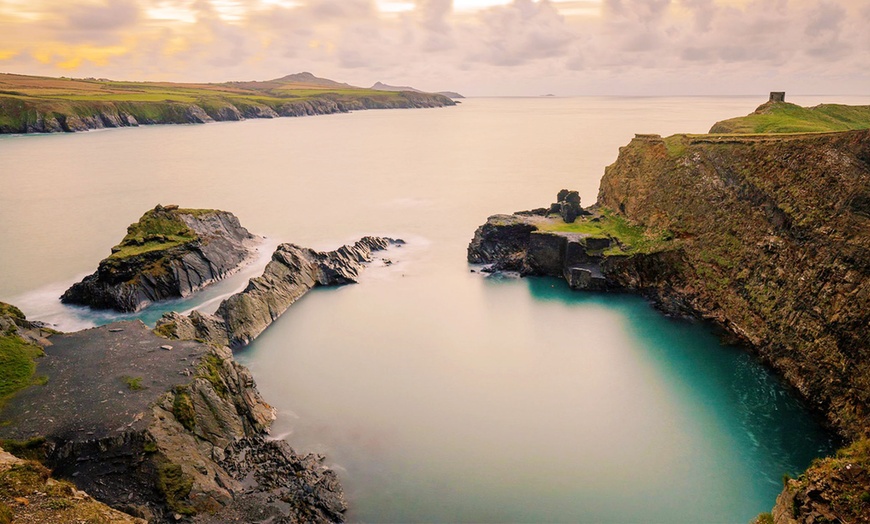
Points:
(228, 112)
(194, 326)
(292, 271)
(255, 111)
(169, 253)
(188, 443)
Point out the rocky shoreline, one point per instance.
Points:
(164, 425)
(108, 114)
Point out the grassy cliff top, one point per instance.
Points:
(783, 117)
(296, 87)
(159, 229)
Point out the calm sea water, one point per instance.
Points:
(438, 395)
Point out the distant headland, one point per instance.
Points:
(34, 104)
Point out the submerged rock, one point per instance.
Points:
(169, 253)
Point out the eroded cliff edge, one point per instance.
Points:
(768, 237)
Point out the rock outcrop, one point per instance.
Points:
(291, 273)
(166, 432)
(169, 253)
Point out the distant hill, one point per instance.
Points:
(380, 86)
(303, 80)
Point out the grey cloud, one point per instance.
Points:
(96, 23)
(520, 32)
(109, 16)
(826, 18)
(326, 10)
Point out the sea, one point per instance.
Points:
(437, 393)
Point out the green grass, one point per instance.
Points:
(30, 449)
(633, 238)
(133, 383)
(783, 117)
(8, 310)
(156, 231)
(175, 486)
(17, 365)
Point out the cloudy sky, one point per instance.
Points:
(478, 47)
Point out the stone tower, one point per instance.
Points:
(777, 96)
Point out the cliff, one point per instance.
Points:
(30, 104)
(774, 246)
(768, 237)
(168, 253)
(29, 494)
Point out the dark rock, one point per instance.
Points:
(216, 246)
(545, 254)
(291, 273)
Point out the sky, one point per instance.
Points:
(476, 47)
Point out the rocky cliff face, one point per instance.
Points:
(169, 253)
(767, 236)
(775, 246)
(29, 494)
(108, 114)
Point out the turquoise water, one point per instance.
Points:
(438, 394)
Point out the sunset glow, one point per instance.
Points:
(496, 46)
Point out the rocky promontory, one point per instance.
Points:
(291, 273)
(169, 253)
(164, 425)
(767, 236)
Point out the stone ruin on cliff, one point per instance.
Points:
(567, 205)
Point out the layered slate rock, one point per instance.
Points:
(169, 253)
(166, 431)
(291, 273)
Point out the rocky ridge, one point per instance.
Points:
(291, 273)
(168, 253)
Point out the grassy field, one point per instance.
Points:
(157, 231)
(95, 90)
(633, 239)
(782, 117)
(17, 365)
